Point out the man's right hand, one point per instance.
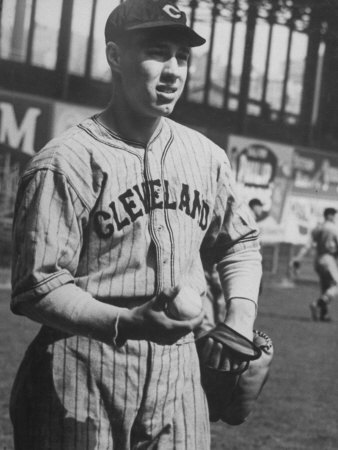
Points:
(150, 322)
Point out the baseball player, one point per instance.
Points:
(256, 207)
(325, 239)
(111, 219)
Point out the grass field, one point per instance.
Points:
(298, 408)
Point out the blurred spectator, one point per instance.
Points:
(256, 207)
(325, 240)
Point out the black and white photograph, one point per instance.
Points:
(168, 224)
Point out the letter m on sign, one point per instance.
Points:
(18, 135)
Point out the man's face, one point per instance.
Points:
(153, 71)
(331, 218)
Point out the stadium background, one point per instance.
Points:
(265, 88)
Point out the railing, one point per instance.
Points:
(261, 58)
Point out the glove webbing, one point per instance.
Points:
(234, 341)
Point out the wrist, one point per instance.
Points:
(123, 327)
(241, 315)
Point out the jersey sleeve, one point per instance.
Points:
(48, 227)
(232, 240)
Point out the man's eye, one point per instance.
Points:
(183, 56)
(156, 51)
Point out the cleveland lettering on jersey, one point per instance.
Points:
(141, 199)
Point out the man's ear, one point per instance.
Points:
(113, 53)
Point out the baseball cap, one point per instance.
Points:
(157, 15)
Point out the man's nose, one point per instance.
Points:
(171, 67)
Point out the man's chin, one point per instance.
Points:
(159, 110)
(165, 109)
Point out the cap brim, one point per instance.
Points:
(189, 36)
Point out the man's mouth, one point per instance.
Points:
(166, 94)
(164, 89)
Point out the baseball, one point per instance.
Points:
(186, 305)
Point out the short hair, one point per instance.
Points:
(255, 202)
(329, 212)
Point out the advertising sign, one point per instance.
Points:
(11, 165)
(314, 188)
(263, 170)
(24, 121)
(315, 173)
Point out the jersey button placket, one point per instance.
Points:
(156, 214)
(161, 232)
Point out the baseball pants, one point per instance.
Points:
(326, 267)
(75, 393)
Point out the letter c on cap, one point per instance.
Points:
(172, 11)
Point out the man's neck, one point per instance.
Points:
(128, 124)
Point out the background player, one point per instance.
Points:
(325, 240)
(110, 219)
(256, 207)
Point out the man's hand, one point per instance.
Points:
(150, 322)
(214, 355)
(232, 393)
(241, 314)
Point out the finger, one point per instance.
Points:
(176, 329)
(238, 366)
(171, 292)
(196, 321)
(204, 348)
(215, 355)
(190, 324)
(225, 364)
(160, 302)
(229, 362)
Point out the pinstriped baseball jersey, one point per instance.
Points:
(122, 220)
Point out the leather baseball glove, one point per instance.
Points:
(232, 393)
